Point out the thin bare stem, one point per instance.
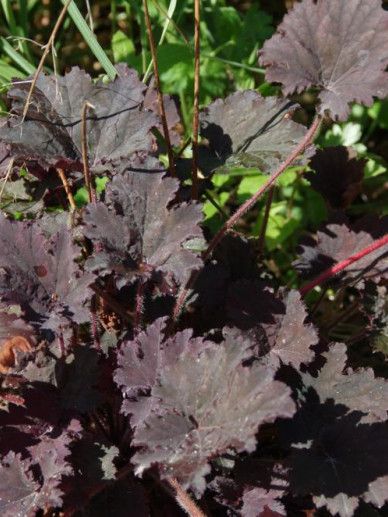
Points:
(158, 90)
(197, 63)
(183, 499)
(46, 50)
(333, 270)
(264, 225)
(85, 160)
(303, 144)
(66, 186)
(300, 148)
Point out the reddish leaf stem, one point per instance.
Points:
(159, 90)
(66, 186)
(300, 148)
(337, 268)
(197, 15)
(183, 499)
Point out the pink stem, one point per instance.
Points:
(299, 149)
(333, 270)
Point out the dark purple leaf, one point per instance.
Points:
(32, 484)
(289, 338)
(17, 486)
(140, 362)
(258, 502)
(338, 175)
(50, 135)
(339, 47)
(357, 390)
(251, 303)
(76, 378)
(138, 234)
(247, 130)
(378, 492)
(41, 275)
(205, 403)
(348, 460)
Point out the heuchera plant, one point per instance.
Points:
(146, 369)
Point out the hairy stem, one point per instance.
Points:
(197, 15)
(46, 50)
(159, 90)
(303, 144)
(183, 499)
(300, 148)
(66, 186)
(337, 268)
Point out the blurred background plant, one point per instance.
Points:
(98, 35)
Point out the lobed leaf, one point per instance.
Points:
(41, 274)
(50, 134)
(137, 233)
(339, 47)
(357, 390)
(204, 402)
(248, 130)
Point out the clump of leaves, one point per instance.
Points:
(142, 359)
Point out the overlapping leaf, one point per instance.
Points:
(347, 458)
(41, 274)
(137, 233)
(259, 502)
(339, 47)
(140, 362)
(357, 390)
(337, 175)
(28, 485)
(339, 241)
(50, 134)
(247, 130)
(207, 402)
(290, 339)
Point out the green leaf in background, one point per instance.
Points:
(281, 224)
(347, 134)
(248, 186)
(379, 113)
(124, 50)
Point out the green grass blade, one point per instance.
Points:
(8, 72)
(235, 63)
(91, 40)
(14, 28)
(17, 58)
(9, 16)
